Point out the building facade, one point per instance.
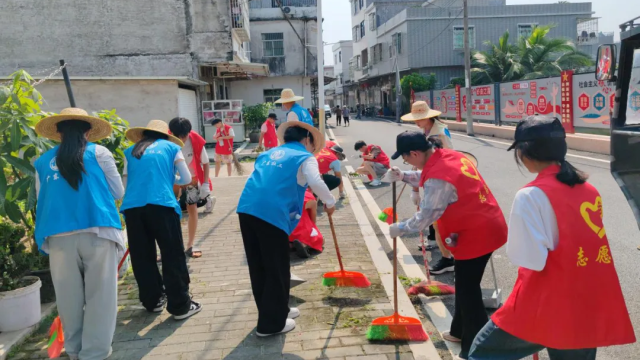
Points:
(342, 54)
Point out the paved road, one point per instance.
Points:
(498, 168)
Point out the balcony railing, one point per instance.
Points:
(268, 4)
(240, 19)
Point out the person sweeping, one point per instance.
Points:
(467, 216)
(567, 296)
(78, 226)
(269, 209)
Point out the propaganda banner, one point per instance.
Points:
(445, 102)
(592, 101)
(524, 98)
(484, 103)
(458, 106)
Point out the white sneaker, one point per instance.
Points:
(343, 195)
(375, 182)
(293, 313)
(211, 202)
(288, 326)
(194, 308)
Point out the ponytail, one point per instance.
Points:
(149, 137)
(569, 175)
(435, 141)
(70, 154)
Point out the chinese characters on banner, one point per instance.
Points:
(445, 102)
(458, 110)
(593, 101)
(567, 100)
(484, 103)
(525, 98)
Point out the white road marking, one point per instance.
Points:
(244, 145)
(440, 316)
(421, 350)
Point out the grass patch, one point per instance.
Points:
(406, 281)
(38, 335)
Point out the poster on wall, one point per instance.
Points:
(524, 98)
(592, 101)
(423, 96)
(445, 102)
(633, 102)
(484, 103)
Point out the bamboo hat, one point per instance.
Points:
(420, 110)
(287, 96)
(318, 138)
(136, 134)
(48, 127)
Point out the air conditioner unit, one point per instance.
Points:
(286, 9)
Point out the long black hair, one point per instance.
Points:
(148, 138)
(70, 154)
(551, 150)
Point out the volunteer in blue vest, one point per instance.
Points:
(78, 225)
(295, 112)
(152, 214)
(269, 209)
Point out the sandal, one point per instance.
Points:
(193, 253)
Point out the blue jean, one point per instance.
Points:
(493, 343)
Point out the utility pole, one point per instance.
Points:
(320, 56)
(467, 68)
(398, 90)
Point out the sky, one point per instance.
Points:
(337, 18)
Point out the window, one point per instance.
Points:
(372, 22)
(633, 97)
(365, 57)
(525, 30)
(355, 32)
(339, 56)
(458, 37)
(396, 44)
(335, 58)
(355, 7)
(362, 29)
(361, 3)
(273, 45)
(271, 95)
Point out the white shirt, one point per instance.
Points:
(108, 165)
(309, 174)
(292, 116)
(533, 229)
(220, 141)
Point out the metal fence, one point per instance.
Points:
(268, 4)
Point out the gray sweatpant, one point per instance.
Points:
(83, 269)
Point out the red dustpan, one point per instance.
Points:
(343, 278)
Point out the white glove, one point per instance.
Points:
(204, 190)
(394, 230)
(393, 174)
(415, 198)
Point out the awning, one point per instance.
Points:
(240, 70)
(180, 79)
(327, 80)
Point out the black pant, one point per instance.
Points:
(145, 226)
(332, 181)
(267, 250)
(346, 120)
(432, 233)
(338, 119)
(469, 316)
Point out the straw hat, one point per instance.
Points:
(48, 128)
(318, 138)
(135, 134)
(287, 96)
(420, 110)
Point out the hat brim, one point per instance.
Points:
(421, 116)
(512, 146)
(339, 155)
(288, 100)
(48, 127)
(318, 137)
(136, 134)
(395, 155)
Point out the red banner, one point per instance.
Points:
(458, 107)
(566, 81)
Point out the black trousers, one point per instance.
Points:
(145, 226)
(469, 316)
(267, 250)
(338, 119)
(432, 233)
(346, 120)
(332, 181)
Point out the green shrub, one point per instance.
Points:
(15, 260)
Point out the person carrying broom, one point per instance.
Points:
(269, 209)
(557, 237)
(224, 145)
(467, 215)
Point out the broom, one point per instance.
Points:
(396, 327)
(56, 334)
(343, 278)
(429, 287)
(386, 214)
(234, 157)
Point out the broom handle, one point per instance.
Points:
(495, 280)
(395, 258)
(335, 242)
(424, 256)
(401, 190)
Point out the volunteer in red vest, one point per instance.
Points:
(196, 158)
(268, 133)
(467, 215)
(329, 160)
(375, 164)
(427, 120)
(224, 145)
(557, 238)
(306, 238)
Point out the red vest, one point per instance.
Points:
(325, 157)
(197, 143)
(227, 145)
(382, 158)
(306, 231)
(329, 143)
(575, 302)
(476, 216)
(270, 137)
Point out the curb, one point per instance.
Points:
(13, 339)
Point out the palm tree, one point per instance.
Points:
(532, 57)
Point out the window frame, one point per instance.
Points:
(272, 42)
(372, 21)
(362, 30)
(274, 95)
(472, 39)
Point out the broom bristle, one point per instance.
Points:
(345, 279)
(412, 332)
(433, 289)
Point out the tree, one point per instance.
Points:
(417, 82)
(499, 64)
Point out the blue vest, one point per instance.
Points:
(150, 179)
(272, 192)
(62, 209)
(303, 114)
